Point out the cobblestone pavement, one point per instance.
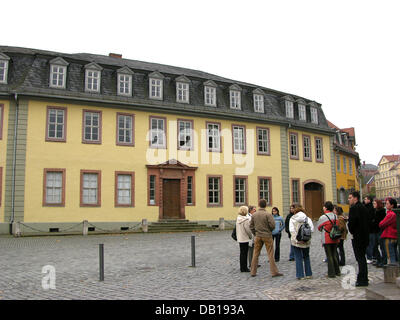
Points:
(158, 266)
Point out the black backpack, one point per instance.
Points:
(335, 232)
(234, 234)
(304, 233)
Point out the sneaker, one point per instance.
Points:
(302, 278)
(369, 261)
(308, 277)
(325, 260)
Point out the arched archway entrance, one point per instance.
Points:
(314, 198)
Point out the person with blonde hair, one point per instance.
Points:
(244, 236)
(301, 249)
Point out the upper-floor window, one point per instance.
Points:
(295, 191)
(58, 75)
(210, 97)
(125, 129)
(294, 153)
(213, 137)
(338, 163)
(1, 120)
(3, 68)
(302, 112)
(240, 191)
(182, 92)
(344, 164)
(54, 188)
(90, 188)
(185, 134)
(156, 85)
(289, 109)
(158, 137)
(306, 148)
(93, 80)
(319, 150)
(258, 103)
(239, 139)
(314, 115)
(235, 99)
(92, 126)
(56, 123)
(263, 141)
(264, 189)
(125, 84)
(350, 167)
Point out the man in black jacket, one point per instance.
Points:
(358, 226)
(291, 254)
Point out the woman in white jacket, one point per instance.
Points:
(301, 249)
(244, 236)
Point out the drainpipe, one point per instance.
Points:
(14, 162)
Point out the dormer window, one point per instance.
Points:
(93, 77)
(182, 89)
(302, 112)
(258, 100)
(156, 86)
(289, 109)
(235, 97)
(210, 93)
(58, 73)
(314, 115)
(124, 79)
(3, 68)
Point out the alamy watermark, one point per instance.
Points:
(49, 280)
(349, 280)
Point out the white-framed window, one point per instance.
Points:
(319, 150)
(90, 189)
(239, 139)
(235, 99)
(182, 92)
(344, 164)
(158, 137)
(213, 137)
(58, 76)
(302, 112)
(56, 124)
(263, 141)
(214, 191)
(92, 126)
(124, 84)
(152, 190)
(289, 109)
(189, 193)
(124, 189)
(125, 129)
(295, 191)
(93, 78)
(156, 88)
(240, 191)
(306, 148)
(264, 191)
(210, 96)
(258, 103)
(338, 163)
(54, 187)
(314, 115)
(3, 71)
(350, 166)
(185, 134)
(294, 153)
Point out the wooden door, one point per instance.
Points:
(314, 203)
(171, 198)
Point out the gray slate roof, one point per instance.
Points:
(29, 71)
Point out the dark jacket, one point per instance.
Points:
(378, 217)
(371, 216)
(359, 224)
(287, 223)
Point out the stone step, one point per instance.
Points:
(391, 273)
(172, 220)
(382, 291)
(172, 224)
(155, 230)
(180, 227)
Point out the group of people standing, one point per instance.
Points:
(372, 230)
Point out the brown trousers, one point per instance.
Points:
(269, 246)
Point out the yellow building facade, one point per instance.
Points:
(198, 149)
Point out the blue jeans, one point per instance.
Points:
(391, 250)
(300, 255)
(372, 249)
(291, 253)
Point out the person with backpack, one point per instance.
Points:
(328, 224)
(277, 232)
(301, 227)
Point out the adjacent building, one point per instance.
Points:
(387, 179)
(367, 174)
(347, 163)
(114, 141)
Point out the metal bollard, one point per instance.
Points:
(193, 252)
(101, 258)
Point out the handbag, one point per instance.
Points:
(234, 234)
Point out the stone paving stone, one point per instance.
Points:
(158, 266)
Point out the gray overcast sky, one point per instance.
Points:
(342, 54)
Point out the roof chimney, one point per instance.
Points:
(115, 55)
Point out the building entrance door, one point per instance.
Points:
(171, 198)
(314, 199)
